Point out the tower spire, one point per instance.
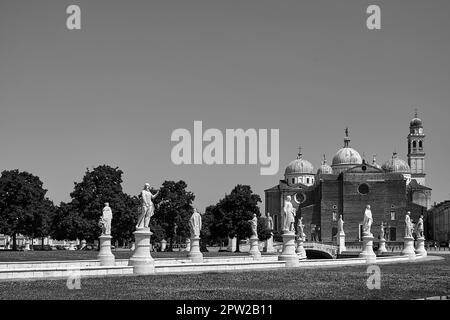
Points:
(346, 139)
(299, 154)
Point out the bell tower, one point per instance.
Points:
(416, 151)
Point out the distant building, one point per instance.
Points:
(438, 222)
(348, 185)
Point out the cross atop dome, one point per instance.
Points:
(346, 139)
(299, 154)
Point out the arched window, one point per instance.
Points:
(307, 180)
(414, 144)
(293, 180)
(420, 145)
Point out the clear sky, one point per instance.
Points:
(113, 92)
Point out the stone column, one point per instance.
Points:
(232, 244)
(300, 250)
(341, 242)
(288, 253)
(420, 249)
(195, 254)
(105, 255)
(163, 245)
(268, 246)
(188, 245)
(141, 260)
(367, 251)
(408, 247)
(382, 246)
(254, 247)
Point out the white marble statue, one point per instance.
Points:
(420, 227)
(382, 232)
(269, 222)
(340, 225)
(367, 222)
(105, 220)
(254, 225)
(289, 215)
(408, 225)
(300, 228)
(147, 207)
(195, 224)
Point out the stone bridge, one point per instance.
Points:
(320, 250)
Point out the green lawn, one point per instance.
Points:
(401, 281)
(56, 255)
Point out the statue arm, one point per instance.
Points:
(154, 195)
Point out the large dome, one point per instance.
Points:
(299, 166)
(346, 156)
(396, 165)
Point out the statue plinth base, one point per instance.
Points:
(288, 253)
(421, 247)
(188, 245)
(194, 254)
(232, 244)
(300, 250)
(382, 246)
(408, 247)
(72, 246)
(254, 247)
(367, 251)
(141, 260)
(27, 247)
(341, 243)
(268, 247)
(105, 255)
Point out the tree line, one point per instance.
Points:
(25, 209)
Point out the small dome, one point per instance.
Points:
(347, 156)
(396, 165)
(416, 122)
(325, 168)
(374, 163)
(299, 166)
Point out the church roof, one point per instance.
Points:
(396, 165)
(299, 166)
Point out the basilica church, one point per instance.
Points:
(348, 185)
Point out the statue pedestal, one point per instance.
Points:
(141, 260)
(408, 247)
(72, 246)
(268, 247)
(254, 247)
(367, 251)
(27, 246)
(188, 245)
(133, 246)
(232, 244)
(163, 245)
(382, 246)
(105, 255)
(421, 247)
(288, 253)
(300, 250)
(341, 243)
(195, 255)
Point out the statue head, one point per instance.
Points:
(268, 214)
(421, 216)
(340, 216)
(368, 207)
(288, 198)
(254, 215)
(408, 213)
(146, 186)
(106, 204)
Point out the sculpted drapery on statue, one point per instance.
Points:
(382, 232)
(289, 215)
(195, 224)
(269, 222)
(420, 227)
(300, 228)
(105, 220)
(367, 222)
(254, 225)
(147, 207)
(340, 225)
(408, 225)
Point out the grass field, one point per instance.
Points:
(401, 281)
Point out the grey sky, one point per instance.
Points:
(113, 92)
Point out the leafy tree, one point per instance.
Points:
(232, 213)
(263, 232)
(102, 184)
(22, 205)
(173, 210)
